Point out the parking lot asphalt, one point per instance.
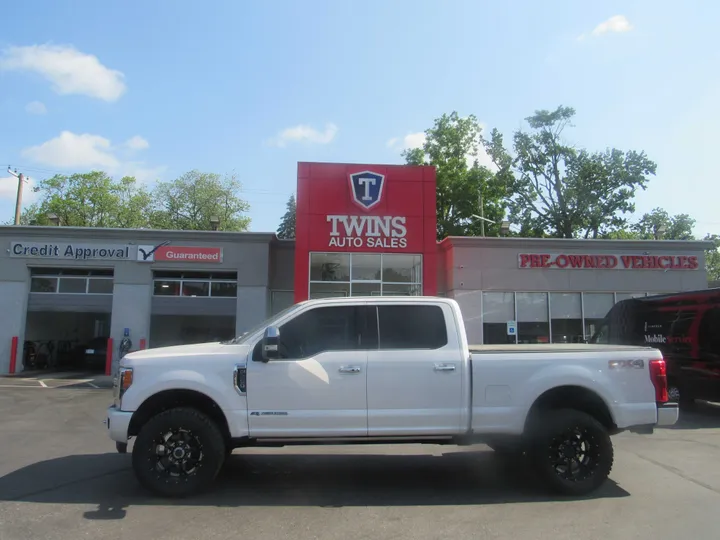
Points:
(60, 478)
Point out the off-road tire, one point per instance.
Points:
(552, 432)
(207, 437)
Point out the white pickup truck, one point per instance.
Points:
(382, 370)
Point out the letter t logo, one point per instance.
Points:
(366, 183)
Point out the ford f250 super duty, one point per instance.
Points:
(382, 370)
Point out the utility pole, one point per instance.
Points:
(482, 213)
(18, 200)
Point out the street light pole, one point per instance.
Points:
(18, 199)
(482, 213)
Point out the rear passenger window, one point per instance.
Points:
(411, 327)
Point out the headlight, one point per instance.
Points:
(125, 380)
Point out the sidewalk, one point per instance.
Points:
(94, 379)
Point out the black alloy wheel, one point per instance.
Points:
(178, 453)
(572, 452)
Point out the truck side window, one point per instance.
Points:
(412, 327)
(318, 330)
(709, 333)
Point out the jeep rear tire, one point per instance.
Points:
(178, 452)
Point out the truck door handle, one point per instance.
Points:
(349, 369)
(444, 367)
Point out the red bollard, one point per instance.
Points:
(13, 354)
(108, 357)
(143, 344)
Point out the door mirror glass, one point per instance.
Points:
(271, 343)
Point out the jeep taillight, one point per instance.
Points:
(658, 376)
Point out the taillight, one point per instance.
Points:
(658, 376)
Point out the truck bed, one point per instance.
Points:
(546, 348)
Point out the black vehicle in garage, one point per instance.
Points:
(685, 327)
(95, 354)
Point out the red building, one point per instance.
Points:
(365, 230)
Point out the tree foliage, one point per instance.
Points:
(286, 230)
(452, 146)
(91, 199)
(557, 190)
(190, 201)
(95, 199)
(660, 224)
(712, 258)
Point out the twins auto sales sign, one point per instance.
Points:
(372, 210)
(576, 261)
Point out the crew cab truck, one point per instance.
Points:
(382, 370)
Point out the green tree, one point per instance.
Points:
(661, 225)
(452, 146)
(91, 199)
(286, 230)
(557, 190)
(712, 258)
(192, 200)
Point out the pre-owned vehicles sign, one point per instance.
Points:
(49, 250)
(165, 252)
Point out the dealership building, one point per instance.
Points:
(361, 230)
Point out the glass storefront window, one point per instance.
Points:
(533, 325)
(330, 267)
(596, 306)
(43, 285)
(365, 274)
(100, 286)
(195, 288)
(72, 285)
(329, 290)
(223, 289)
(365, 267)
(498, 309)
(402, 268)
(566, 317)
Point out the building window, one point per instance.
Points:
(595, 306)
(195, 284)
(532, 317)
(566, 318)
(498, 309)
(71, 281)
(364, 274)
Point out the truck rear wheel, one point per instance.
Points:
(572, 452)
(178, 452)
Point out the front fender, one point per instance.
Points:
(219, 389)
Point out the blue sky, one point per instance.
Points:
(158, 88)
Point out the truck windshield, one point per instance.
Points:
(268, 322)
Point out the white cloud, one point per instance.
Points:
(69, 70)
(86, 151)
(36, 107)
(137, 143)
(305, 134)
(617, 24)
(69, 150)
(411, 140)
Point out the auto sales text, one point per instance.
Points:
(368, 231)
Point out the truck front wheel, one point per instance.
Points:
(178, 452)
(572, 452)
